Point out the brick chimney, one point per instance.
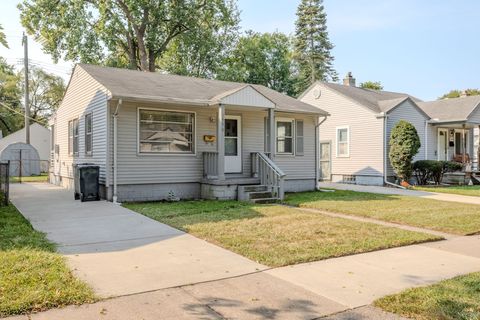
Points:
(349, 80)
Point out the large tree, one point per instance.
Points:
(312, 45)
(46, 91)
(10, 99)
(261, 58)
(458, 93)
(133, 33)
(202, 51)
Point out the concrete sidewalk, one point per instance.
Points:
(118, 251)
(360, 279)
(402, 192)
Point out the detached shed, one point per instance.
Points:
(24, 159)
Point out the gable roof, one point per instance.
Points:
(376, 100)
(451, 109)
(155, 86)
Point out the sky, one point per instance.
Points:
(424, 48)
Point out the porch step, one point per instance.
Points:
(254, 188)
(260, 194)
(264, 200)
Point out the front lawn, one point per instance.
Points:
(32, 276)
(450, 217)
(462, 190)
(276, 235)
(457, 298)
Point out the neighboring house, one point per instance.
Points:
(39, 139)
(354, 138)
(155, 136)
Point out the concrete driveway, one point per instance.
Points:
(120, 252)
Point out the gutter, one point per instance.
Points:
(115, 150)
(385, 138)
(317, 150)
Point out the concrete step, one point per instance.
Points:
(259, 195)
(254, 188)
(264, 200)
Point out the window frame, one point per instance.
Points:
(337, 142)
(72, 136)
(293, 136)
(194, 134)
(88, 153)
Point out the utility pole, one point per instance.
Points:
(27, 102)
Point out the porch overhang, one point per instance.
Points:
(246, 96)
(458, 123)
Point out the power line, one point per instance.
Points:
(21, 113)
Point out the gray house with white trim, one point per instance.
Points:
(354, 138)
(155, 135)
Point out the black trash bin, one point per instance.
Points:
(86, 182)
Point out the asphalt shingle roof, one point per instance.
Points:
(450, 109)
(124, 83)
(377, 101)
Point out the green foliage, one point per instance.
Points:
(374, 85)
(122, 32)
(261, 58)
(312, 45)
(3, 39)
(203, 51)
(10, 99)
(432, 170)
(46, 92)
(457, 93)
(404, 145)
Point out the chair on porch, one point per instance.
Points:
(461, 158)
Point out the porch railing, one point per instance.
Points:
(210, 165)
(269, 173)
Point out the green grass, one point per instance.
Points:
(43, 177)
(449, 217)
(462, 190)
(32, 276)
(276, 235)
(457, 298)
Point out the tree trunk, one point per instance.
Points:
(151, 60)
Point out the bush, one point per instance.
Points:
(404, 145)
(432, 170)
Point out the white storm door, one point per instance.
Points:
(233, 144)
(442, 145)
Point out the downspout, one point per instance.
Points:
(385, 138)
(317, 150)
(426, 139)
(115, 151)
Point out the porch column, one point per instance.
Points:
(272, 133)
(221, 142)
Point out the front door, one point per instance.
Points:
(325, 161)
(233, 144)
(442, 145)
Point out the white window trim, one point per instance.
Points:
(187, 154)
(71, 152)
(337, 142)
(292, 120)
(88, 153)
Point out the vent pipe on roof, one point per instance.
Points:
(349, 80)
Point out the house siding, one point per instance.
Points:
(135, 168)
(366, 135)
(84, 95)
(408, 112)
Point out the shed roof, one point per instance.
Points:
(155, 86)
(451, 109)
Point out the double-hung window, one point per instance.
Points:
(343, 142)
(166, 132)
(73, 137)
(285, 130)
(88, 134)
